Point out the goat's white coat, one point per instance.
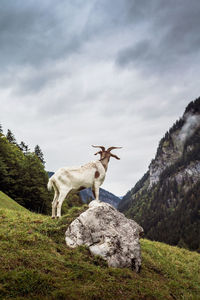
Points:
(68, 179)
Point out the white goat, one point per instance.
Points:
(91, 175)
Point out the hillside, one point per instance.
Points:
(7, 202)
(166, 200)
(36, 264)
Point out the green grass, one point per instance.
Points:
(36, 264)
(7, 202)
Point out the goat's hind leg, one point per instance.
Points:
(55, 200)
(62, 196)
(54, 204)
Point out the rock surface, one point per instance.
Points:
(107, 233)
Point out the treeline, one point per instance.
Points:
(181, 226)
(126, 203)
(22, 174)
(193, 107)
(169, 214)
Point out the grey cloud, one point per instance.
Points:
(30, 80)
(61, 87)
(137, 54)
(34, 32)
(35, 35)
(172, 38)
(36, 81)
(56, 108)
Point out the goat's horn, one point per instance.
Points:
(98, 153)
(102, 148)
(115, 156)
(111, 148)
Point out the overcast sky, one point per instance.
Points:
(108, 72)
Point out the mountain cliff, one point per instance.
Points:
(166, 200)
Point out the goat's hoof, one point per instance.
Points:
(53, 217)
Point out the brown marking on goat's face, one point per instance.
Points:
(97, 174)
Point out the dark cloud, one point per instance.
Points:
(37, 35)
(137, 54)
(34, 32)
(171, 40)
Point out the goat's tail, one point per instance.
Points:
(49, 185)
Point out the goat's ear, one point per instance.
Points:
(98, 153)
(115, 156)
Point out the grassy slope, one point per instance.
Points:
(36, 264)
(7, 202)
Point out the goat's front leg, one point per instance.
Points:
(96, 192)
(54, 204)
(61, 198)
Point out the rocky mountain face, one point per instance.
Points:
(166, 200)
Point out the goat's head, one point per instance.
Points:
(106, 154)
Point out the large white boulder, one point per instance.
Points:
(107, 233)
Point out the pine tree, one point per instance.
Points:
(23, 178)
(39, 154)
(23, 147)
(10, 137)
(1, 129)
